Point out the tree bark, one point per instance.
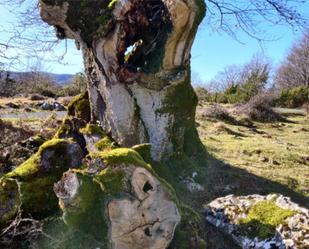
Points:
(142, 95)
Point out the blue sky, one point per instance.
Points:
(212, 51)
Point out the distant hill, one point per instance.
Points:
(60, 79)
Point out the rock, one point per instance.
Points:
(35, 177)
(140, 210)
(47, 106)
(58, 107)
(70, 154)
(261, 222)
(193, 186)
(10, 199)
(33, 142)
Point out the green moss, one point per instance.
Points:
(53, 144)
(35, 141)
(70, 128)
(87, 214)
(9, 200)
(119, 156)
(37, 195)
(104, 19)
(36, 180)
(26, 169)
(87, 192)
(104, 144)
(180, 101)
(92, 129)
(263, 218)
(64, 128)
(107, 14)
(144, 150)
(31, 167)
(112, 4)
(80, 107)
(187, 232)
(128, 156)
(111, 181)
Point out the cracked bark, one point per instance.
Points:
(143, 95)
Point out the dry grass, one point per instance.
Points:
(218, 112)
(15, 132)
(16, 100)
(276, 151)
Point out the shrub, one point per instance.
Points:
(259, 108)
(48, 93)
(202, 93)
(217, 112)
(293, 97)
(36, 97)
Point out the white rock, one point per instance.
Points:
(225, 213)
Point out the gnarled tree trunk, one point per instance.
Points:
(137, 58)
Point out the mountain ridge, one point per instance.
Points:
(60, 79)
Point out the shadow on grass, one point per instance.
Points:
(223, 179)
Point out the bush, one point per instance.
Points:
(217, 112)
(293, 97)
(34, 97)
(259, 108)
(48, 93)
(202, 93)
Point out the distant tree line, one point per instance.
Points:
(238, 84)
(40, 83)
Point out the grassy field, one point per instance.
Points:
(269, 157)
(261, 158)
(240, 159)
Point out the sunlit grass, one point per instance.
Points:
(276, 151)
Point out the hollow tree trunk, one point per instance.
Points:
(137, 59)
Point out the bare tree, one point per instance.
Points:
(137, 60)
(294, 70)
(30, 37)
(161, 34)
(228, 77)
(250, 16)
(26, 36)
(255, 72)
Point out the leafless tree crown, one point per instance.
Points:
(294, 70)
(30, 37)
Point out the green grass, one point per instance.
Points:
(275, 151)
